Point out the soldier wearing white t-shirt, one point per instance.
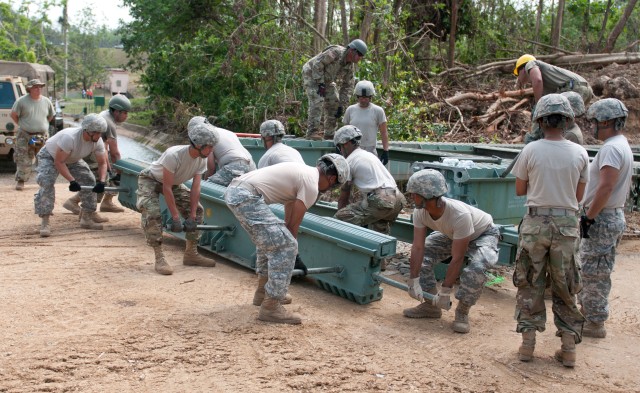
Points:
(382, 201)
(296, 187)
(369, 118)
(276, 152)
(459, 230)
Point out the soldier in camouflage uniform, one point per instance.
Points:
(552, 173)
(603, 221)
(62, 155)
(573, 132)
(296, 186)
(459, 230)
(165, 176)
(382, 201)
(320, 76)
(272, 132)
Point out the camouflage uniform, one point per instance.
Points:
(548, 245)
(230, 171)
(148, 204)
(327, 67)
(46, 175)
(376, 211)
(91, 159)
(276, 248)
(482, 254)
(598, 257)
(27, 147)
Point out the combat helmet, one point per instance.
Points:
(203, 135)
(197, 120)
(365, 88)
(428, 183)
(120, 102)
(553, 104)
(607, 109)
(94, 123)
(576, 101)
(272, 128)
(337, 161)
(358, 45)
(346, 134)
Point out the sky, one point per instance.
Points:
(106, 12)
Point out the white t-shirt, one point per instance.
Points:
(458, 221)
(284, 182)
(368, 120)
(278, 153)
(553, 170)
(70, 141)
(177, 160)
(229, 148)
(617, 154)
(367, 172)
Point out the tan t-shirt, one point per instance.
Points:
(70, 141)
(368, 120)
(617, 154)
(278, 153)
(177, 160)
(284, 182)
(33, 114)
(458, 221)
(229, 148)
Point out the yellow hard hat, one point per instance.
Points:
(524, 59)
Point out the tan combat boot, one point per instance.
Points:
(107, 205)
(461, 323)
(93, 216)
(594, 329)
(424, 310)
(73, 204)
(567, 352)
(87, 221)
(272, 311)
(525, 353)
(192, 258)
(20, 185)
(44, 227)
(162, 266)
(260, 293)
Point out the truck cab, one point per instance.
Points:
(11, 88)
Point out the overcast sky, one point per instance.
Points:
(107, 12)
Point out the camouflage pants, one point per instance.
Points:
(598, 257)
(547, 247)
(25, 153)
(482, 254)
(46, 175)
(148, 204)
(276, 248)
(318, 105)
(93, 164)
(377, 211)
(230, 171)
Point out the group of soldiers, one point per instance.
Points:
(567, 241)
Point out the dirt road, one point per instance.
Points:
(84, 311)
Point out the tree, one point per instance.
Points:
(557, 25)
(615, 33)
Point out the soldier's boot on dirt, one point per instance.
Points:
(461, 323)
(161, 265)
(87, 221)
(94, 216)
(525, 353)
(73, 204)
(314, 135)
(107, 205)
(424, 310)
(271, 310)
(20, 185)
(567, 352)
(192, 258)
(259, 295)
(594, 329)
(44, 227)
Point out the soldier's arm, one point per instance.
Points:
(521, 187)
(298, 209)
(167, 192)
(345, 192)
(417, 251)
(194, 196)
(459, 248)
(535, 76)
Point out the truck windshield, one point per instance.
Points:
(7, 96)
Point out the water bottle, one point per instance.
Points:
(32, 141)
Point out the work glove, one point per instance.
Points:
(339, 112)
(415, 290)
(190, 225)
(98, 188)
(322, 89)
(300, 265)
(116, 179)
(384, 157)
(442, 299)
(174, 225)
(74, 186)
(585, 224)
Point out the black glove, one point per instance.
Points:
(585, 224)
(322, 90)
(174, 225)
(339, 112)
(98, 188)
(74, 186)
(190, 225)
(116, 179)
(384, 157)
(300, 265)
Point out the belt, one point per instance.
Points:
(573, 83)
(34, 133)
(608, 210)
(550, 211)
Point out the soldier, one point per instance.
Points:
(296, 187)
(165, 176)
(459, 230)
(119, 107)
(573, 132)
(32, 113)
(369, 118)
(320, 75)
(603, 221)
(276, 152)
(552, 173)
(62, 155)
(382, 201)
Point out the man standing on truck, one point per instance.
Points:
(32, 113)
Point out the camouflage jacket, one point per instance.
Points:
(329, 66)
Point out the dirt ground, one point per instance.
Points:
(84, 311)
